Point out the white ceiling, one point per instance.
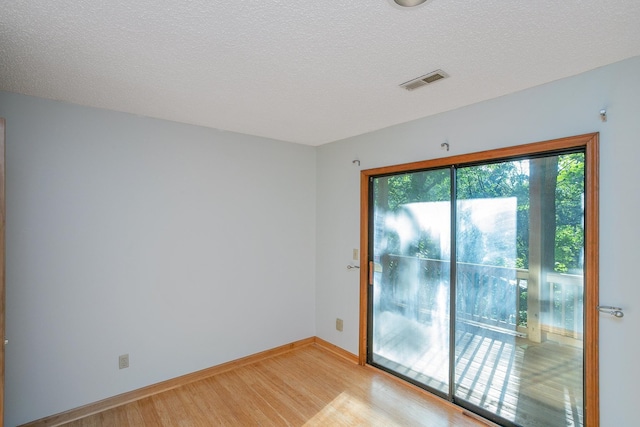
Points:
(304, 71)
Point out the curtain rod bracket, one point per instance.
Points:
(603, 115)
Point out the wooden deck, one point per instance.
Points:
(530, 384)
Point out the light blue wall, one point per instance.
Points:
(182, 246)
(187, 247)
(562, 108)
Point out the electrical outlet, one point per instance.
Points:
(339, 325)
(123, 361)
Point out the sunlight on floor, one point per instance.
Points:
(349, 411)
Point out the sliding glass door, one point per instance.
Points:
(411, 281)
(476, 285)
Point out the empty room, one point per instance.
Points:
(380, 212)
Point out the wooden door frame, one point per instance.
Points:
(2, 266)
(588, 142)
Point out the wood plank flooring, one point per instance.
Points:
(308, 386)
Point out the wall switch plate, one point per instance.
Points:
(339, 325)
(356, 255)
(123, 361)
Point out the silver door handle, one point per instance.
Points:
(614, 311)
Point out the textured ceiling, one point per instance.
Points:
(304, 71)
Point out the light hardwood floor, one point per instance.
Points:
(307, 386)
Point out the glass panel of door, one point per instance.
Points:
(410, 329)
(513, 349)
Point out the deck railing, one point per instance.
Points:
(564, 315)
(486, 296)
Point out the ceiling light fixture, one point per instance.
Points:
(409, 3)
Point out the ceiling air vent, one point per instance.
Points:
(433, 76)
